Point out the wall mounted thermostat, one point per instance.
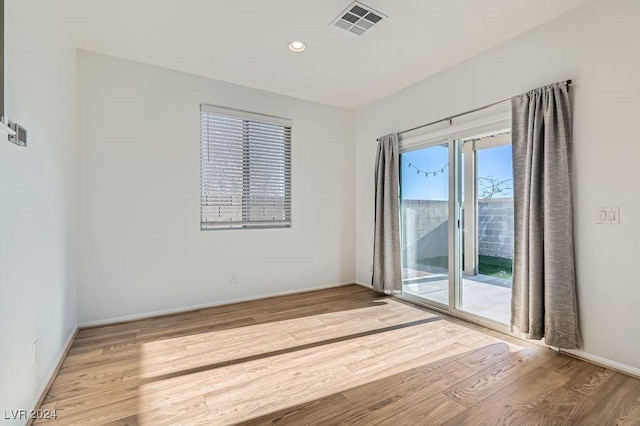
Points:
(20, 138)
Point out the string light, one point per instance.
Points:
(419, 171)
(442, 169)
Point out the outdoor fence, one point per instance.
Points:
(426, 225)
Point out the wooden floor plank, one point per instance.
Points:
(487, 382)
(509, 404)
(622, 407)
(435, 410)
(576, 399)
(338, 356)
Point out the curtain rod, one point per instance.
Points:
(449, 119)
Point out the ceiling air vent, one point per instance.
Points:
(358, 18)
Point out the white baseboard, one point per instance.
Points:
(125, 318)
(367, 285)
(604, 362)
(53, 371)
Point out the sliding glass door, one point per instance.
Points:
(457, 226)
(424, 214)
(487, 231)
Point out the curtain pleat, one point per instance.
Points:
(387, 269)
(544, 302)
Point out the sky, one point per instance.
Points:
(492, 162)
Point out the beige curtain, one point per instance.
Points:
(544, 302)
(387, 269)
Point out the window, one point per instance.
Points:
(245, 170)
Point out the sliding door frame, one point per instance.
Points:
(493, 122)
(415, 147)
(470, 148)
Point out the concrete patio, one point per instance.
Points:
(482, 295)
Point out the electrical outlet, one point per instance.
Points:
(371, 268)
(234, 278)
(34, 353)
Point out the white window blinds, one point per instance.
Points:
(245, 173)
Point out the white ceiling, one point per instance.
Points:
(245, 41)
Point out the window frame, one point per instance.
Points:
(260, 119)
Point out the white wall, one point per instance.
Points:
(140, 245)
(597, 47)
(37, 201)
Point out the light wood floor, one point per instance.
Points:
(344, 355)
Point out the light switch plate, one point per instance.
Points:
(608, 215)
(20, 137)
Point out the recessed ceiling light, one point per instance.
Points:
(297, 46)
